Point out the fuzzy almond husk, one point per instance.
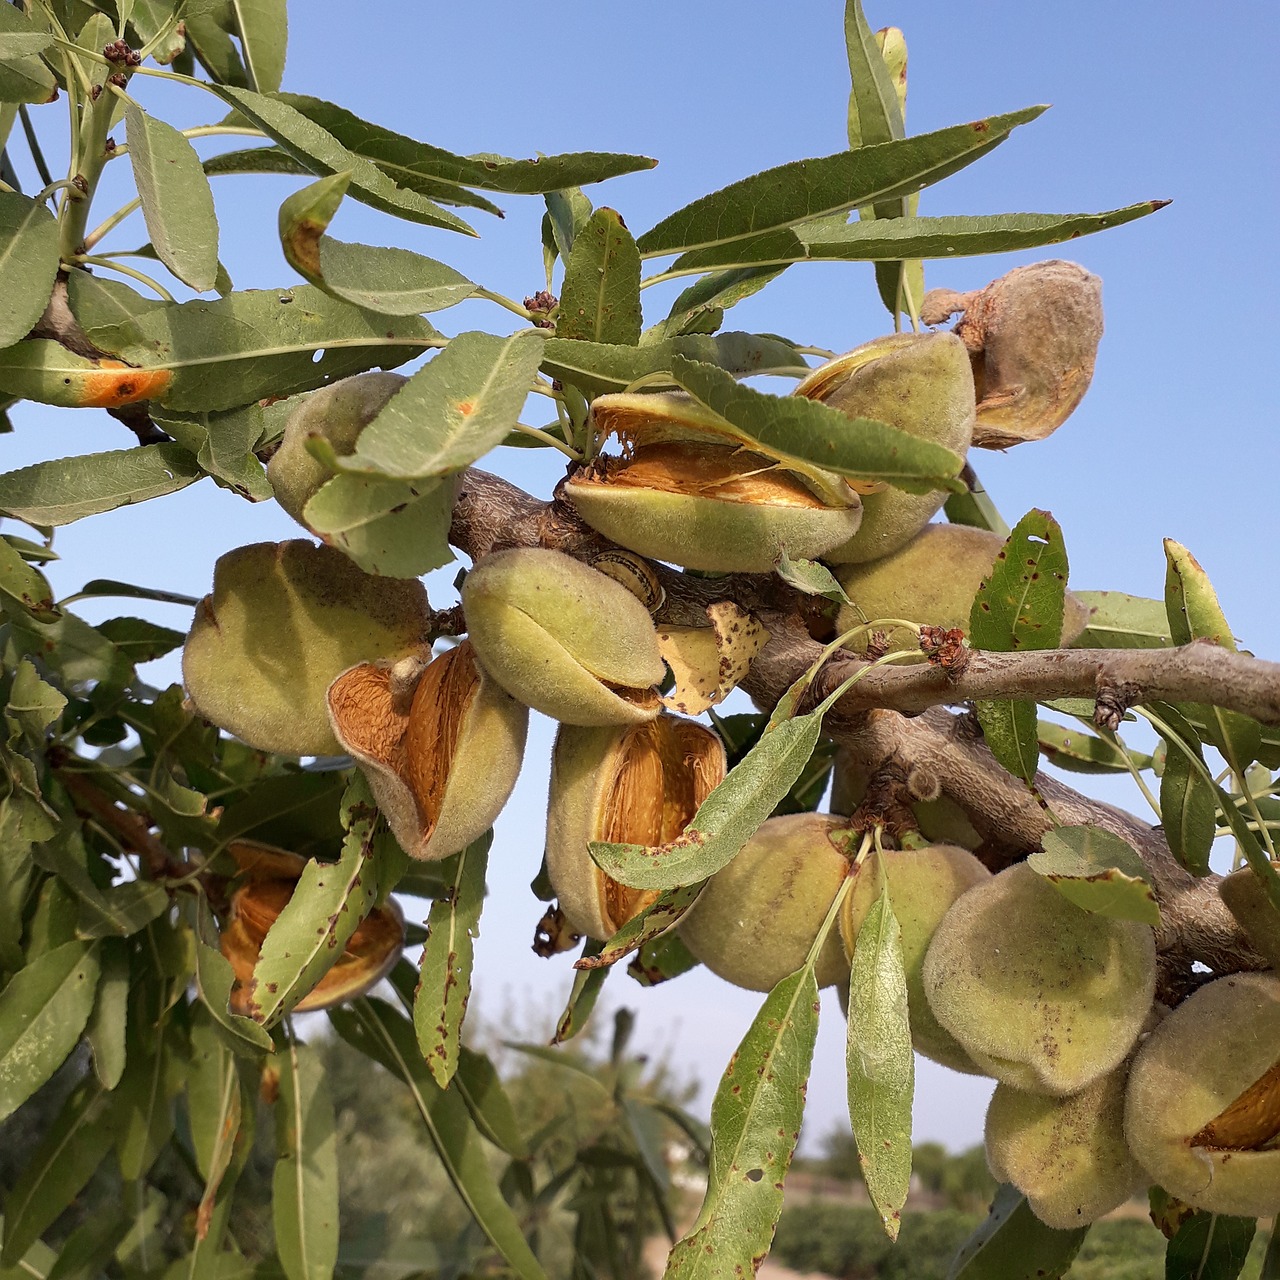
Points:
(918, 383)
(639, 784)
(562, 638)
(443, 767)
(1247, 899)
(268, 878)
(282, 621)
(1202, 1110)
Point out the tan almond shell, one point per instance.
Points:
(442, 770)
(637, 784)
(1202, 1110)
(563, 638)
(757, 917)
(282, 621)
(919, 383)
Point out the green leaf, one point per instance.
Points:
(329, 901)
(904, 237)
(456, 408)
(91, 1246)
(380, 1032)
(755, 1121)
(25, 585)
(600, 298)
(478, 1082)
(1099, 872)
(43, 1010)
(881, 1063)
(214, 980)
(254, 160)
(215, 1109)
(396, 528)
(388, 281)
(444, 987)
(140, 640)
(28, 262)
(805, 189)
(1013, 1244)
(701, 307)
(320, 152)
(411, 163)
(1194, 614)
(1120, 621)
(177, 203)
(23, 75)
(105, 1031)
(304, 1186)
(1079, 751)
(875, 113)
(224, 445)
(975, 507)
(661, 959)
(15, 877)
(805, 431)
(33, 705)
(262, 26)
(811, 577)
(645, 925)
(68, 489)
(584, 993)
(568, 211)
(1209, 1246)
(73, 1146)
(107, 309)
(261, 343)
(156, 1055)
(1187, 812)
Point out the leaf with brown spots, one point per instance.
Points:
(709, 662)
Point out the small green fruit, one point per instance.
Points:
(757, 918)
(562, 638)
(633, 784)
(684, 493)
(1066, 1155)
(1247, 899)
(283, 620)
(1202, 1112)
(1043, 995)
(923, 885)
(933, 580)
(337, 413)
(919, 383)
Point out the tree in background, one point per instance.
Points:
(184, 871)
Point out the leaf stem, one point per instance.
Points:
(60, 184)
(110, 224)
(109, 264)
(547, 438)
(510, 304)
(1246, 792)
(833, 912)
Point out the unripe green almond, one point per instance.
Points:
(1202, 1111)
(1066, 1155)
(282, 621)
(337, 413)
(626, 784)
(562, 638)
(933, 580)
(919, 383)
(923, 885)
(1043, 995)
(1247, 899)
(757, 918)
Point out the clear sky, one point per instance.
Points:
(1177, 436)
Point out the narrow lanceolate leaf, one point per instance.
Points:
(1187, 812)
(320, 152)
(597, 368)
(646, 925)
(1013, 1244)
(68, 489)
(262, 343)
(1019, 606)
(177, 202)
(444, 987)
(1120, 621)
(304, 1186)
(329, 902)
(456, 408)
(107, 1024)
(24, 585)
(23, 75)
(264, 32)
(384, 1035)
(1098, 871)
(1194, 614)
(214, 980)
(28, 263)
(701, 307)
(408, 162)
(45, 371)
(43, 1010)
(63, 1161)
(487, 1101)
(806, 431)
(805, 189)
(600, 299)
(390, 281)
(1080, 751)
(755, 1121)
(958, 236)
(881, 1063)
(1209, 1246)
(157, 1067)
(811, 577)
(587, 985)
(214, 1109)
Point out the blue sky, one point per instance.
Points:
(1177, 436)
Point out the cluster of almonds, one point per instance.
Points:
(298, 651)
